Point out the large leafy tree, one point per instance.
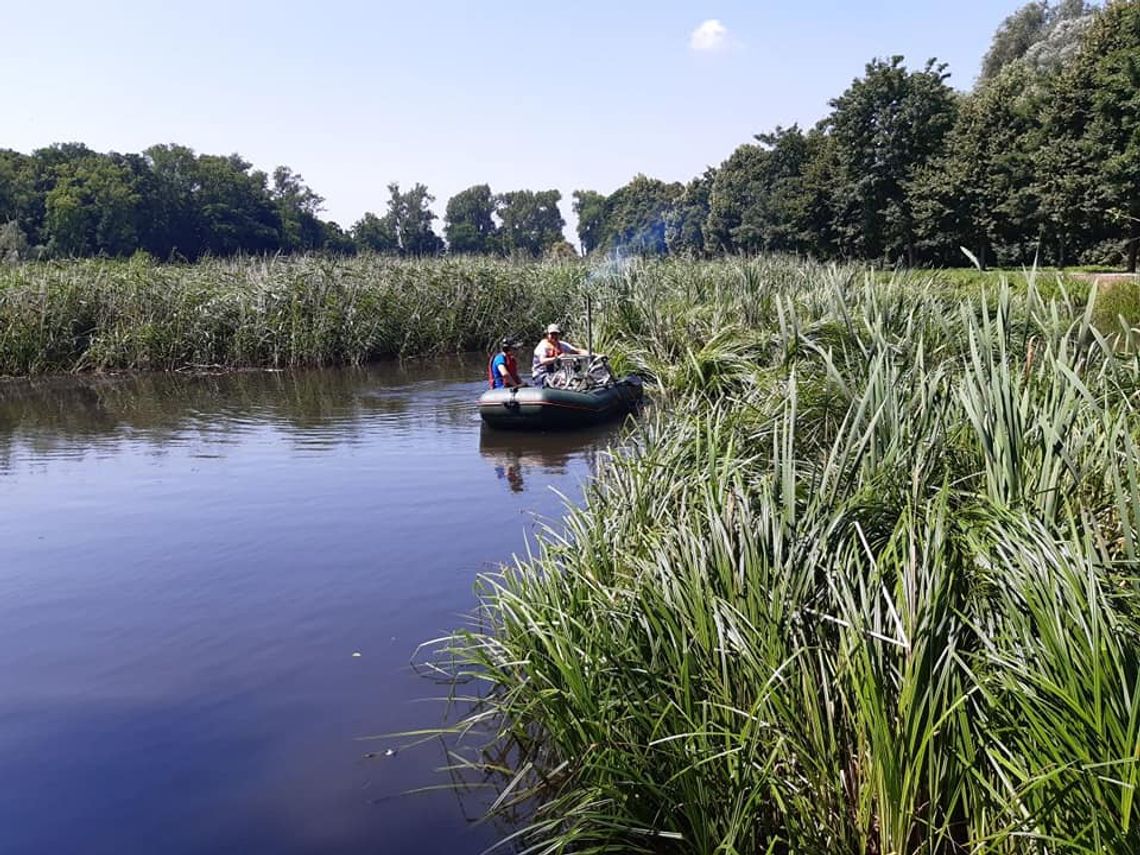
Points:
(1041, 35)
(1017, 34)
(1109, 67)
(816, 207)
(590, 208)
(49, 165)
(886, 127)
(145, 216)
(334, 239)
(981, 192)
(636, 215)
(736, 188)
(1068, 23)
(1089, 178)
(406, 228)
(298, 207)
(410, 218)
(376, 234)
(685, 223)
(469, 221)
(61, 154)
(237, 213)
(176, 227)
(91, 208)
(169, 201)
(208, 204)
(530, 221)
(758, 200)
(20, 201)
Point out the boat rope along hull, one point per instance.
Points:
(531, 408)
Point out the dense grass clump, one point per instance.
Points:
(104, 315)
(1117, 312)
(866, 583)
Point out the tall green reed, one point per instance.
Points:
(274, 312)
(866, 584)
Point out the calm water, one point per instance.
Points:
(187, 566)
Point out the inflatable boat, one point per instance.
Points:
(581, 392)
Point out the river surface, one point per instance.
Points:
(211, 589)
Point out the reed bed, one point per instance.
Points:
(106, 315)
(866, 583)
(276, 312)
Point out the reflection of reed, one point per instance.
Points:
(479, 765)
(48, 414)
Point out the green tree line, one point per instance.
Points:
(1040, 161)
(69, 201)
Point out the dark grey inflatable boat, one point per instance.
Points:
(581, 392)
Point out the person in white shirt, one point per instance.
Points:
(547, 352)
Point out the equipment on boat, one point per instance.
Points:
(581, 391)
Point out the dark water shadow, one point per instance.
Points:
(517, 454)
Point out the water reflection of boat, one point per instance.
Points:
(514, 454)
(581, 392)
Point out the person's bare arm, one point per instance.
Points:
(508, 379)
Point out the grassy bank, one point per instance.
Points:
(867, 584)
(98, 315)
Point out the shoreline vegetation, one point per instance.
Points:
(95, 315)
(274, 312)
(866, 582)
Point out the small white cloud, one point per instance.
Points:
(709, 36)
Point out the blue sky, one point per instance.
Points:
(534, 95)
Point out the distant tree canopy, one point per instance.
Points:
(590, 208)
(1042, 35)
(636, 215)
(470, 221)
(530, 221)
(169, 201)
(521, 222)
(406, 227)
(758, 198)
(886, 127)
(979, 191)
(685, 221)
(1039, 162)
